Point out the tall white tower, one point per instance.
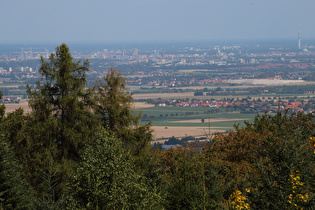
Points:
(22, 54)
(299, 39)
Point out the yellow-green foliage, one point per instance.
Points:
(296, 197)
(239, 201)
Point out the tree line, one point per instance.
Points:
(83, 148)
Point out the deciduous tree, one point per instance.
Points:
(107, 179)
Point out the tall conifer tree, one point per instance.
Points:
(61, 120)
(62, 100)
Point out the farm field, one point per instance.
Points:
(210, 120)
(9, 84)
(186, 121)
(182, 96)
(161, 132)
(24, 105)
(163, 95)
(194, 127)
(180, 125)
(196, 70)
(179, 113)
(249, 83)
(264, 82)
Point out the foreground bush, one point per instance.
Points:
(106, 179)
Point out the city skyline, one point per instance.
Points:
(154, 21)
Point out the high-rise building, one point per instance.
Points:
(135, 52)
(299, 39)
(31, 54)
(22, 54)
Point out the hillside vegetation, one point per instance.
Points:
(83, 148)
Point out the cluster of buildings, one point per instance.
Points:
(175, 67)
(244, 105)
(9, 100)
(228, 56)
(212, 55)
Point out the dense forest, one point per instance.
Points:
(83, 148)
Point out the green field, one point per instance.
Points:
(11, 84)
(169, 116)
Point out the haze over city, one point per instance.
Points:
(80, 21)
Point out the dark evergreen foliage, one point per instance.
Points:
(58, 125)
(106, 178)
(62, 100)
(14, 191)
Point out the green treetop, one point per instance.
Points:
(61, 120)
(62, 97)
(114, 103)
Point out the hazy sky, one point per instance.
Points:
(154, 20)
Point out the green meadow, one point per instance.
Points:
(172, 116)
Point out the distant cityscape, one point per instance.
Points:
(173, 65)
(158, 60)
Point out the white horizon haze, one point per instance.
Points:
(41, 21)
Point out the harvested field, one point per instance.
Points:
(179, 132)
(8, 86)
(142, 105)
(194, 70)
(264, 81)
(23, 104)
(195, 87)
(211, 120)
(163, 95)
